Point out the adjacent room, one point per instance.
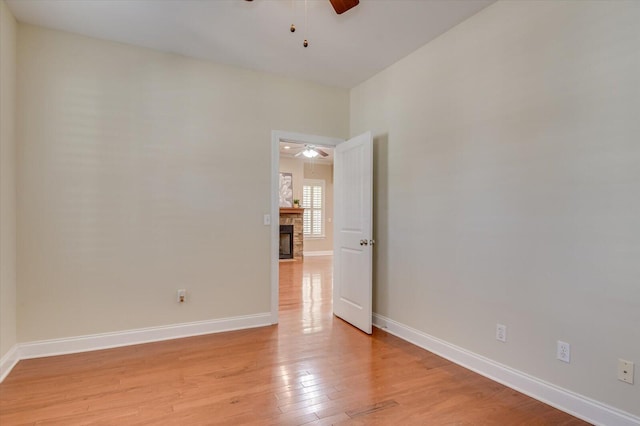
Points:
(319, 212)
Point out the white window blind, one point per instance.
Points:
(313, 204)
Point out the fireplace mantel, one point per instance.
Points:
(291, 210)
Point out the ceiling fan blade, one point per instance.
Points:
(341, 6)
(321, 152)
(299, 153)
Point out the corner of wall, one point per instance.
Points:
(8, 361)
(8, 34)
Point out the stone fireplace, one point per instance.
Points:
(292, 217)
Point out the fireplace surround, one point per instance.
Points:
(293, 217)
(286, 241)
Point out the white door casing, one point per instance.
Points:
(353, 229)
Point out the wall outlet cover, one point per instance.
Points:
(564, 351)
(625, 371)
(501, 332)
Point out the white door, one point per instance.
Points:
(353, 227)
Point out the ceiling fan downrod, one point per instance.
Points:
(340, 6)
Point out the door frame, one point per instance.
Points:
(276, 136)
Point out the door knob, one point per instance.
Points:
(372, 242)
(363, 242)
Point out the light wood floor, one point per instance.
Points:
(310, 369)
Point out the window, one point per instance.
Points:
(313, 204)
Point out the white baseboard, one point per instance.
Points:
(317, 253)
(8, 361)
(577, 405)
(116, 339)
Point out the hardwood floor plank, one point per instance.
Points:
(378, 406)
(310, 369)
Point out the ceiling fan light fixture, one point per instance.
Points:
(309, 153)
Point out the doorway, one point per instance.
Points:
(277, 137)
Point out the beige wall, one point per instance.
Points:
(508, 189)
(8, 29)
(324, 172)
(140, 173)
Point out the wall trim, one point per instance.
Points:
(116, 339)
(317, 253)
(575, 404)
(8, 361)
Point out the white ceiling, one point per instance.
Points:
(344, 50)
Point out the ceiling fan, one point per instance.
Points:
(341, 6)
(311, 151)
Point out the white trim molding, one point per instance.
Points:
(317, 253)
(116, 339)
(575, 404)
(8, 361)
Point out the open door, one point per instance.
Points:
(353, 228)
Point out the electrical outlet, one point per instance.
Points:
(564, 351)
(501, 332)
(182, 295)
(625, 371)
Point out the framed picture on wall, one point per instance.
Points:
(286, 189)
